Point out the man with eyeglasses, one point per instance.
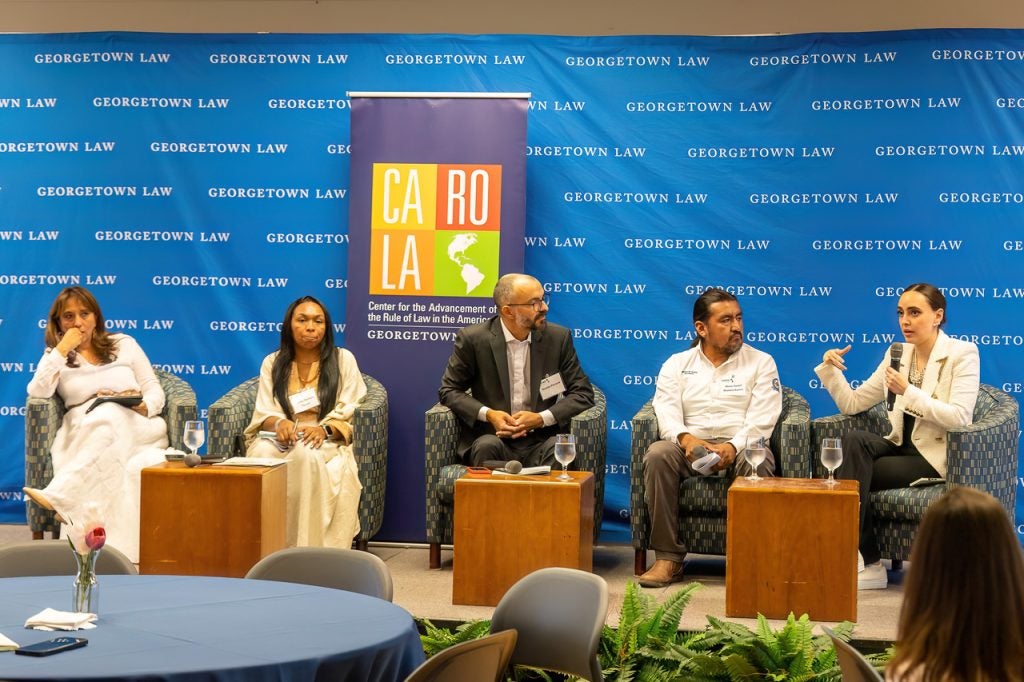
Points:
(514, 381)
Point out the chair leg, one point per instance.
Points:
(897, 564)
(37, 535)
(362, 545)
(435, 555)
(639, 561)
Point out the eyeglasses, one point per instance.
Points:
(535, 303)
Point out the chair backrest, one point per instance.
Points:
(54, 557)
(559, 613)
(341, 569)
(478, 660)
(855, 667)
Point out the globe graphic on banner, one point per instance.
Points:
(460, 250)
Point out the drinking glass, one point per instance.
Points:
(756, 453)
(565, 453)
(194, 436)
(831, 457)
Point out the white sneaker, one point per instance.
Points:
(873, 577)
(860, 562)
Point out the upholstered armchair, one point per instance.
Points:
(982, 455)
(444, 466)
(231, 413)
(702, 500)
(43, 416)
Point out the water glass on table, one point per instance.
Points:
(756, 453)
(565, 453)
(194, 435)
(831, 457)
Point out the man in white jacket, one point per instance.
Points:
(713, 399)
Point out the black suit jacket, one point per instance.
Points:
(479, 363)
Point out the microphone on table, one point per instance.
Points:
(895, 354)
(512, 466)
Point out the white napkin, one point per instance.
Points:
(51, 619)
(7, 644)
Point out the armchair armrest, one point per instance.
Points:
(370, 448)
(591, 430)
(792, 436)
(984, 454)
(441, 441)
(42, 419)
(228, 417)
(645, 432)
(179, 407)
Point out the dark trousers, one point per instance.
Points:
(665, 467)
(528, 450)
(877, 464)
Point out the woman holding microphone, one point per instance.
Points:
(935, 388)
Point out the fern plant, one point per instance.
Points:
(643, 647)
(436, 639)
(648, 647)
(730, 651)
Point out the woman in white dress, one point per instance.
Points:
(98, 454)
(308, 392)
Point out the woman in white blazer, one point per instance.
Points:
(936, 387)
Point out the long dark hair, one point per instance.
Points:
(104, 346)
(702, 306)
(963, 595)
(327, 384)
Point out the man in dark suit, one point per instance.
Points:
(514, 381)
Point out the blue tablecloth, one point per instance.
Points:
(183, 628)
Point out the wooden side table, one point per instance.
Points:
(509, 526)
(791, 546)
(210, 520)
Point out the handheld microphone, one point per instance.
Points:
(192, 459)
(512, 466)
(895, 354)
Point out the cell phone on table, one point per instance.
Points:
(52, 646)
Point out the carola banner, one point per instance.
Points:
(437, 196)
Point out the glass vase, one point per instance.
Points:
(85, 593)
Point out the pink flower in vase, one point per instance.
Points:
(95, 538)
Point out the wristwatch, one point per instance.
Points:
(328, 430)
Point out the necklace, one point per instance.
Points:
(310, 379)
(916, 375)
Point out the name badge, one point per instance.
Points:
(303, 400)
(551, 385)
(729, 386)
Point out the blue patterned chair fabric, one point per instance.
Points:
(443, 466)
(231, 413)
(702, 501)
(982, 455)
(43, 416)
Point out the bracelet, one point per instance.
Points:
(276, 423)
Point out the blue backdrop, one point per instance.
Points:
(198, 183)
